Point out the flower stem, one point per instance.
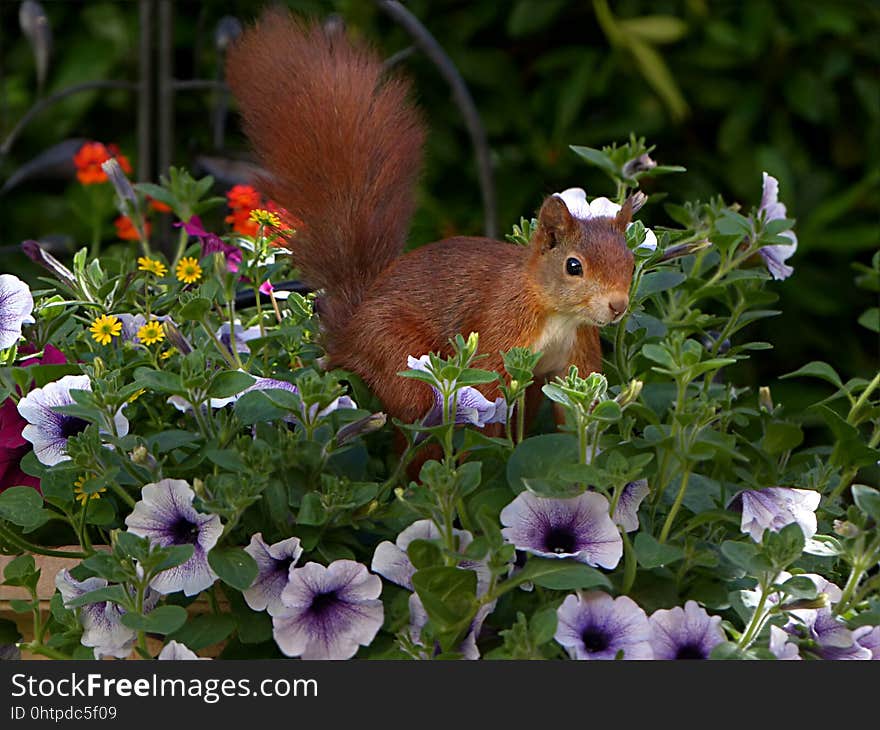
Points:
(758, 617)
(676, 505)
(8, 536)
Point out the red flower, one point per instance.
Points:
(126, 231)
(91, 156)
(13, 446)
(243, 197)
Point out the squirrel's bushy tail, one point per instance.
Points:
(342, 146)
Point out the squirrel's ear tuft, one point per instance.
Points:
(624, 216)
(554, 223)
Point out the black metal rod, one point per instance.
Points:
(166, 85)
(463, 99)
(145, 97)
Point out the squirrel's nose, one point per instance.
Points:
(618, 305)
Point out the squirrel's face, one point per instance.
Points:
(583, 267)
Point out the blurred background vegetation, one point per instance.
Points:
(727, 89)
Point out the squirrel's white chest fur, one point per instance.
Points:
(556, 340)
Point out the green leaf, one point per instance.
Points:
(115, 594)
(850, 449)
(608, 411)
(234, 567)
(23, 506)
(658, 281)
(195, 309)
(816, 369)
(540, 457)
(785, 546)
(229, 383)
(107, 567)
(870, 319)
(561, 574)
(205, 630)
(311, 510)
(162, 620)
(867, 500)
(597, 158)
(160, 381)
(652, 554)
(448, 595)
(655, 29)
(781, 436)
(660, 355)
(424, 554)
(19, 568)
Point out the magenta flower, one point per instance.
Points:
(595, 626)
(212, 243)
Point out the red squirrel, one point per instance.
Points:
(342, 146)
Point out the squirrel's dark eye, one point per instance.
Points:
(573, 267)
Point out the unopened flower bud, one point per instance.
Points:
(820, 601)
(630, 393)
(845, 528)
(685, 249)
(361, 427)
(99, 366)
(121, 185)
(175, 336)
(199, 487)
(639, 164)
(141, 456)
(765, 400)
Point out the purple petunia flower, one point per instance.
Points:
(775, 507)
(471, 406)
(780, 645)
(175, 651)
(274, 563)
(103, 630)
(626, 514)
(868, 637)
(595, 626)
(775, 256)
(49, 430)
(16, 308)
(578, 528)
(390, 560)
(575, 200)
(684, 633)
(131, 323)
(242, 336)
(832, 639)
(467, 647)
(166, 516)
(328, 612)
(212, 243)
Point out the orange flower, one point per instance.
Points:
(89, 158)
(243, 197)
(126, 231)
(159, 206)
(241, 222)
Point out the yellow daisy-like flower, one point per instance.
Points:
(188, 270)
(151, 332)
(81, 496)
(105, 328)
(264, 217)
(152, 265)
(137, 394)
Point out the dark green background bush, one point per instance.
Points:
(727, 89)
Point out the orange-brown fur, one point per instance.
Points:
(342, 147)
